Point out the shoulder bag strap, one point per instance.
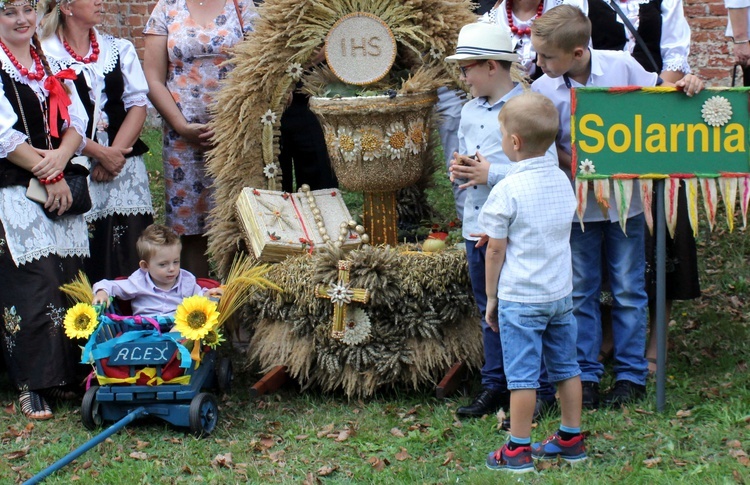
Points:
(239, 16)
(632, 29)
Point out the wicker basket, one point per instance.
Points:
(376, 142)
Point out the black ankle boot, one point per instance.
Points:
(489, 401)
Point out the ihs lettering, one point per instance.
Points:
(364, 47)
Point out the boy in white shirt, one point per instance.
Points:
(561, 39)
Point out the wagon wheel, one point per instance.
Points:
(90, 410)
(224, 375)
(203, 414)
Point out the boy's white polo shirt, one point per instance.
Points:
(532, 207)
(608, 69)
(479, 131)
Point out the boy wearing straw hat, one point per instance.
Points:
(489, 67)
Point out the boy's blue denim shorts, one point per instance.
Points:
(529, 331)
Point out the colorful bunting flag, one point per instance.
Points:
(745, 199)
(728, 188)
(601, 192)
(623, 195)
(691, 188)
(647, 200)
(671, 198)
(710, 199)
(582, 193)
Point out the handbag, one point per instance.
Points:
(75, 175)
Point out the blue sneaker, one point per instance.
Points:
(572, 450)
(516, 461)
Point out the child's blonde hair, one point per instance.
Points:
(533, 118)
(564, 26)
(154, 237)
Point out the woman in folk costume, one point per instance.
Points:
(113, 89)
(41, 127)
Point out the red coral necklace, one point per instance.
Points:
(38, 67)
(94, 49)
(521, 31)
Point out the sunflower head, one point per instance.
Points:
(80, 321)
(213, 338)
(195, 317)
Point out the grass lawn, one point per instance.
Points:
(406, 436)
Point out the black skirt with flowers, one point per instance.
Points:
(112, 244)
(37, 353)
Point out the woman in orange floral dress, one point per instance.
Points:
(186, 43)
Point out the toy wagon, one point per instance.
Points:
(139, 363)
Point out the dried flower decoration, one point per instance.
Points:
(716, 111)
(358, 327)
(269, 118)
(270, 170)
(295, 71)
(587, 167)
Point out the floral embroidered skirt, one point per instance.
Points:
(112, 244)
(37, 353)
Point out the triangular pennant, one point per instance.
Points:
(745, 200)
(601, 191)
(691, 188)
(708, 191)
(671, 198)
(647, 200)
(582, 194)
(623, 195)
(728, 188)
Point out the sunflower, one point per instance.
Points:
(80, 321)
(195, 317)
(213, 338)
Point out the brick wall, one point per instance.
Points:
(710, 55)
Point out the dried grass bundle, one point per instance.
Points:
(245, 278)
(79, 290)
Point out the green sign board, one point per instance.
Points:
(643, 131)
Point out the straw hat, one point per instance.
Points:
(482, 40)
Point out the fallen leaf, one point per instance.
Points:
(267, 441)
(325, 431)
(734, 444)
(402, 455)
(448, 458)
(138, 455)
(311, 479)
(141, 444)
(222, 461)
(684, 413)
(377, 463)
(15, 455)
(301, 437)
(276, 456)
(326, 470)
(643, 411)
(87, 465)
(343, 435)
(74, 478)
(608, 436)
(10, 408)
(187, 469)
(652, 462)
(397, 433)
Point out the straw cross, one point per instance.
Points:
(341, 295)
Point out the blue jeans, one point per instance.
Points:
(493, 373)
(625, 260)
(537, 331)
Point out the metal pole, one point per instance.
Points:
(129, 418)
(661, 298)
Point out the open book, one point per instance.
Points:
(277, 224)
